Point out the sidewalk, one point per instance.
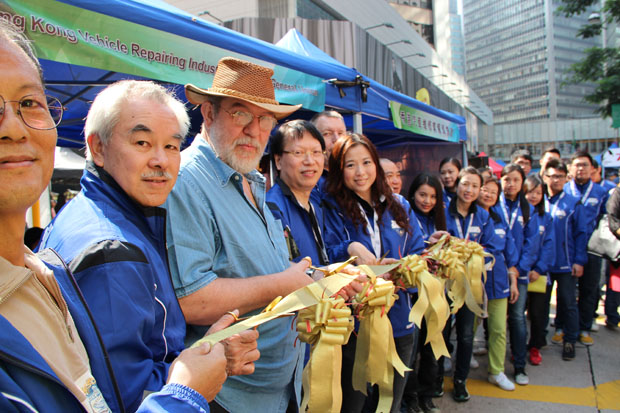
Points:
(590, 383)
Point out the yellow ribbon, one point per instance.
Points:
(302, 298)
(431, 303)
(375, 353)
(326, 327)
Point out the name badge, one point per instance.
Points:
(474, 229)
(520, 219)
(560, 214)
(500, 232)
(593, 201)
(541, 229)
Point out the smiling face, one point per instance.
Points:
(468, 188)
(488, 195)
(392, 175)
(240, 147)
(511, 184)
(535, 195)
(448, 174)
(332, 129)
(301, 174)
(143, 152)
(360, 171)
(26, 154)
(425, 198)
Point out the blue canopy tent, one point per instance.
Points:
(377, 120)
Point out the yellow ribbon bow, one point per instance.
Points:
(326, 327)
(375, 353)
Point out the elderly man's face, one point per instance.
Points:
(392, 175)
(143, 153)
(240, 147)
(26, 154)
(332, 129)
(301, 164)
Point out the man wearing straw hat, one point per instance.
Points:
(225, 249)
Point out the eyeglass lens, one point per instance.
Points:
(243, 119)
(37, 111)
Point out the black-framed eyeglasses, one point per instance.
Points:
(555, 177)
(243, 119)
(42, 112)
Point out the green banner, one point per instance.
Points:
(615, 115)
(423, 123)
(69, 34)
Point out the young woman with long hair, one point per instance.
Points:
(449, 169)
(364, 219)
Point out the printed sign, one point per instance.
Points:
(422, 123)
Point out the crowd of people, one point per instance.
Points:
(162, 246)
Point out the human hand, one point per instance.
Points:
(533, 275)
(361, 252)
(436, 236)
(201, 368)
(241, 349)
(514, 293)
(577, 270)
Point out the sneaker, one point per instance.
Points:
(535, 357)
(427, 405)
(480, 351)
(521, 377)
(585, 338)
(594, 328)
(558, 337)
(438, 392)
(611, 326)
(501, 381)
(460, 393)
(473, 363)
(568, 352)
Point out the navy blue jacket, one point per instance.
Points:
(546, 243)
(570, 226)
(117, 251)
(498, 281)
(284, 207)
(26, 380)
(395, 242)
(525, 234)
(593, 198)
(481, 229)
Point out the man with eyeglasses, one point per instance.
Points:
(225, 248)
(570, 228)
(52, 356)
(593, 198)
(297, 150)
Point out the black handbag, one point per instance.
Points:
(603, 242)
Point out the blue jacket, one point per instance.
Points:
(447, 197)
(476, 226)
(546, 243)
(525, 234)
(498, 282)
(426, 224)
(26, 380)
(395, 242)
(593, 198)
(570, 228)
(117, 251)
(284, 207)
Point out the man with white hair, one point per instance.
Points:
(392, 175)
(112, 234)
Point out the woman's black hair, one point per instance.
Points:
(531, 182)
(437, 212)
(453, 161)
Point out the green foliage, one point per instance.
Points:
(601, 66)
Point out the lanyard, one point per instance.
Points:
(555, 206)
(318, 238)
(575, 191)
(460, 229)
(375, 233)
(515, 213)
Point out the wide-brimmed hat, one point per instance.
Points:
(242, 80)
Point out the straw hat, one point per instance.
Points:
(245, 81)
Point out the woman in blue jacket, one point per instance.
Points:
(426, 200)
(538, 310)
(501, 284)
(464, 219)
(516, 211)
(364, 219)
(449, 169)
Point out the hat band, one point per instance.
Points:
(241, 95)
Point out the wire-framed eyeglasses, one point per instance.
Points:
(243, 119)
(42, 112)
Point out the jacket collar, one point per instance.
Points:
(453, 211)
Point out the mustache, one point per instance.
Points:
(156, 174)
(247, 141)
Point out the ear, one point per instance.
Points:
(96, 149)
(278, 159)
(206, 109)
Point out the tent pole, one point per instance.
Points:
(357, 123)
